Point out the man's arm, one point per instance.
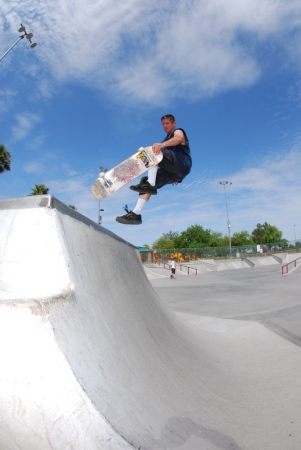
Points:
(178, 138)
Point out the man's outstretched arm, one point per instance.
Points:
(177, 139)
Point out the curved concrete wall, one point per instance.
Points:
(91, 358)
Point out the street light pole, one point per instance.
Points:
(28, 36)
(228, 220)
(99, 209)
(295, 235)
(99, 216)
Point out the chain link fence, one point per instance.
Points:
(242, 251)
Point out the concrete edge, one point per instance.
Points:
(247, 261)
(279, 259)
(48, 201)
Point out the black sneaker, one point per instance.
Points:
(130, 219)
(144, 187)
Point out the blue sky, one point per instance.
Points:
(103, 73)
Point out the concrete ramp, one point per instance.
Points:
(92, 359)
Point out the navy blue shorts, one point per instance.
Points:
(170, 169)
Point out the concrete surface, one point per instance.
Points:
(92, 358)
(258, 293)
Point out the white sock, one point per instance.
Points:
(140, 205)
(152, 174)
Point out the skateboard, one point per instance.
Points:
(123, 173)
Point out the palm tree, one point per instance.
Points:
(5, 158)
(39, 189)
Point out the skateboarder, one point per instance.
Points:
(173, 168)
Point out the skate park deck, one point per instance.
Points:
(93, 358)
(255, 294)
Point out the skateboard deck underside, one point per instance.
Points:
(125, 172)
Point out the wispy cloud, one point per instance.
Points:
(6, 101)
(265, 192)
(156, 52)
(24, 124)
(34, 167)
(147, 51)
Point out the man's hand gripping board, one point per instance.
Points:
(125, 172)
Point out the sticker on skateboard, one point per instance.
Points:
(125, 172)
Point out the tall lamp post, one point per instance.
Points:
(99, 211)
(295, 236)
(228, 220)
(28, 36)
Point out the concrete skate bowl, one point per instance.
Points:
(92, 359)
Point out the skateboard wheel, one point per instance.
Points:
(101, 175)
(112, 189)
(140, 149)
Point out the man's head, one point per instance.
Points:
(169, 117)
(168, 122)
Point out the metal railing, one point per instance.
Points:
(286, 266)
(188, 268)
(164, 264)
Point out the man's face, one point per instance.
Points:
(168, 125)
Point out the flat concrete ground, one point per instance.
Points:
(258, 294)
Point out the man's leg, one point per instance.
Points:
(134, 217)
(147, 185)
(158, 175)
(141, 202)
(151, 175)
(168, 171)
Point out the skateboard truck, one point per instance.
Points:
(144, 156)
(106, 181)
(102, 172)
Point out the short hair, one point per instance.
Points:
(168, 116)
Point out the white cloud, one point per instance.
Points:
(33, 167)
(25, 123)
(268, 191)
(151, 50)
(7, 97)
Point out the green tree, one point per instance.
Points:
(217, 239)
(171, 235)
(284, 243)
(39, 189)
(258, 233)
(194, 236)
(146, 246)
(5, 158)
(242, 238)
(163, 244)
(266, 234)
(71, 206)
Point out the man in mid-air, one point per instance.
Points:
(173, 168)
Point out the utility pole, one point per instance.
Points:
(295, 235)
(228, 220)
(99, 216)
